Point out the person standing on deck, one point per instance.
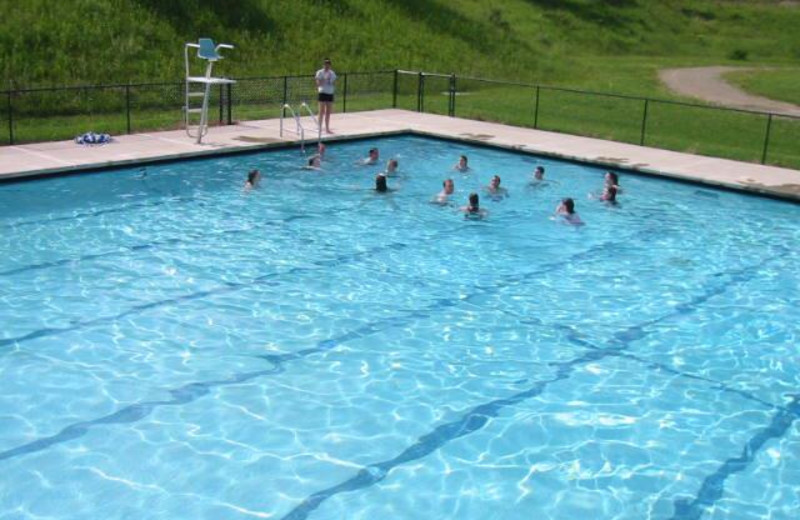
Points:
(325, 79)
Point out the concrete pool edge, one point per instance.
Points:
(97, 167)
(43, 160)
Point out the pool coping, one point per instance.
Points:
(41, 160)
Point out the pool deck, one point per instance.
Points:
(66, 156)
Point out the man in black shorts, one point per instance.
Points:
(325, 79)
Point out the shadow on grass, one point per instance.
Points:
(235, 15)
(608, 12)
(443, 19)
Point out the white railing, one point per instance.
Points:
(299, 128)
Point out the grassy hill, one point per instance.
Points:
(614, 46)
(611, 45)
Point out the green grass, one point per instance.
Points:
(616, 46)
(779, 84)
(673, 126)
(610, 45)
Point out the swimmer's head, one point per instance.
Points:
(474, 201)
(449, 186)
(253, 176)
(314, 161)
(568, 205)
(380, 183)
(495, 181)
(612, 178)
(391, 165)
(373, 153)
(462, 161)
(538, 174)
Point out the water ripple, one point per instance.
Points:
(714, 485)
(192, 391)
(477, 417)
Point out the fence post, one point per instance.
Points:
(10, 120)
(221, 105)
(285, 90)
(420, 91)
(394, 90)
(452, 108)
(344, 97)
(229, 88)
(536, 110)
(128, 106)
(766, 140)
(644, 122)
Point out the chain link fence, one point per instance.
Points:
(49, 114)
(61, 113)
(700, 129)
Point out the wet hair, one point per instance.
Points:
(540, 169)
(252, 175)
(474, 201)
(444, 182)
(610, 194)
(380, 183)
(614, 177)
(569, 205)
(373, 150)
(497, 177)
(465, 159)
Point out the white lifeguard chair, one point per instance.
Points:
(206, 50)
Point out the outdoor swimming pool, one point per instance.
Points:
(172, 347)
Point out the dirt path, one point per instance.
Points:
(707, 83)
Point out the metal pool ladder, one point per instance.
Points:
(206, 50)
(299, 128)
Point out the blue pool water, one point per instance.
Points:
(172, 347)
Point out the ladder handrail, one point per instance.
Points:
(300, 130)
(317, 123)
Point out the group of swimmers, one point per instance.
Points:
(564, 211)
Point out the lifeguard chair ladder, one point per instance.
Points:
(206, 50)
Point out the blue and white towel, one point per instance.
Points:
(93, 138)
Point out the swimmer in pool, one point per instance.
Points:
(495, 191)
(314, 163)
(380, 183)
(609, 194)
(253, 179)
(448, 188)
(473, 209)
(321, 149)
(566, 210)
(538, 180)
(612, 179)
(372, 158)
(391, 167)
(462, 165)
(610, 189)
